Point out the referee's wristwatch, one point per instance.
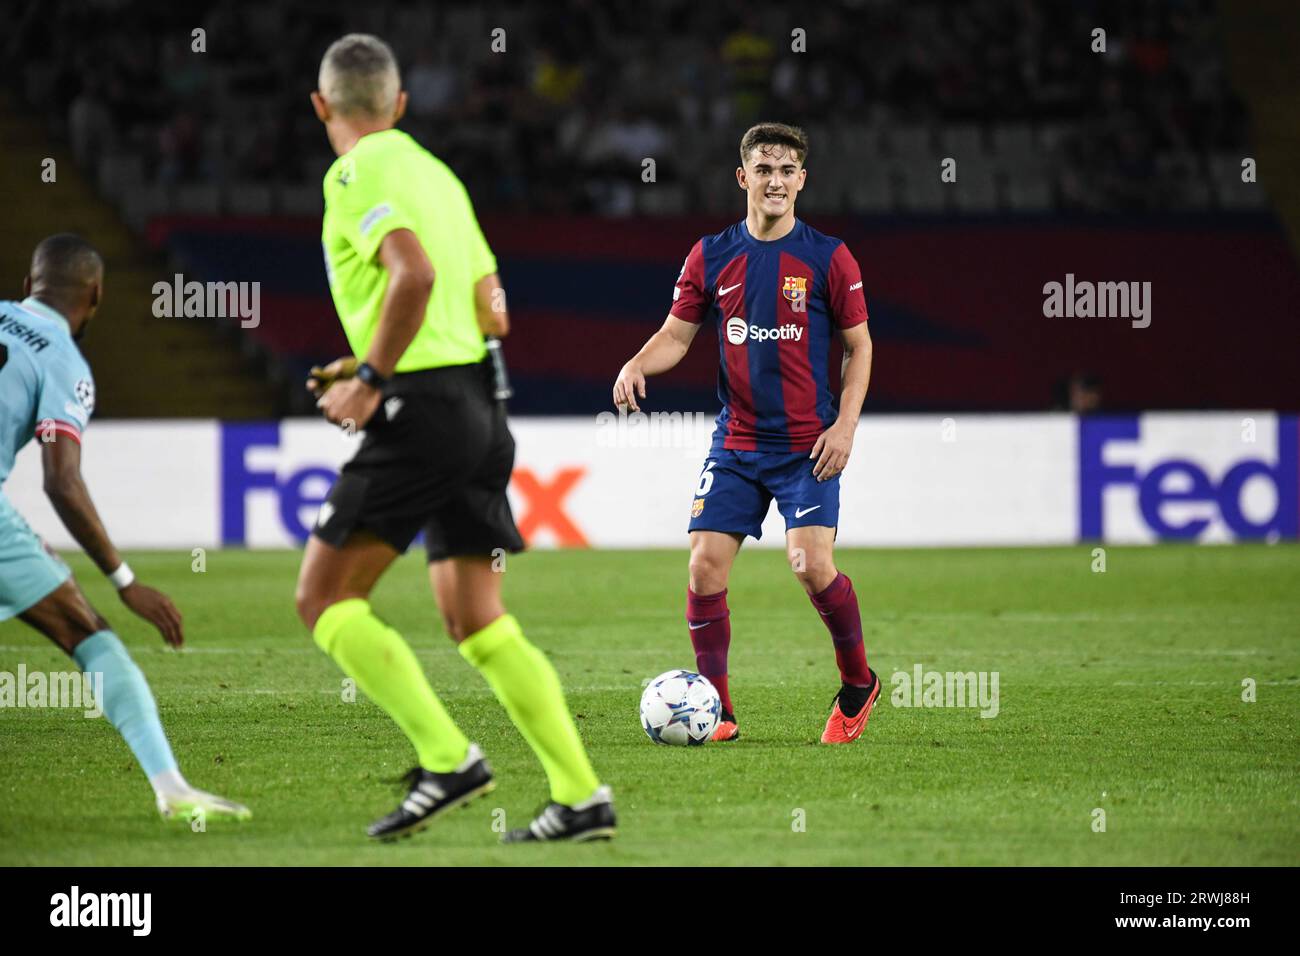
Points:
(367, 374)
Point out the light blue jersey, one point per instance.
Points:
(45, 384)
(46, 390)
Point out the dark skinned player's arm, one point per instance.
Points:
(410, 283)
(61, 460)
(67, 491)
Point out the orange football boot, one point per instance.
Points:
(844, 730)
(726, 729)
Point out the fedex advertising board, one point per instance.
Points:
(967, 480)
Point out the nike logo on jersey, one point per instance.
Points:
(727, 288)
(800, 512)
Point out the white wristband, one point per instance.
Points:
(123, 576)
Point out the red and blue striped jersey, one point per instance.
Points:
(777, 304)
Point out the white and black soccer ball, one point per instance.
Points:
(680, 708)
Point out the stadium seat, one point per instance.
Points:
(911, 144)
(305, 201)
(962, 141)
(197, 199)
(662, 199)
(1027, 189)
(871, 192)
(860, 140)
(1230, 191)
(976, 187)
(922, 190)
(140, 203)
(1015, 142)
(120, 172)
(249, 199)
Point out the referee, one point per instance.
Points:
(415, 286)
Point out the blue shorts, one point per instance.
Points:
(27, 571)
(737, 487)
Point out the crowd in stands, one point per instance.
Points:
(554, 108)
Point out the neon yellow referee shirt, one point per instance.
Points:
(388, 181)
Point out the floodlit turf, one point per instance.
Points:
(1120, 692)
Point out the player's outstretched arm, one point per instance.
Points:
(61, 462)
(661, 352)
(836, 443)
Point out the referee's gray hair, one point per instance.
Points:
(358, 76)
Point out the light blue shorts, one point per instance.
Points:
(27, 571)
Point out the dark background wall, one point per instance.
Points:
(1122, 164)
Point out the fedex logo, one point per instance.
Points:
(298, 493)
(288, 471)
(1220, 483)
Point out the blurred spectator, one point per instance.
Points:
(431, 84)
(586, 90)
(1080, 393)
(180, 149)
(90, 124)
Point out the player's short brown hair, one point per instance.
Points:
(774, 134)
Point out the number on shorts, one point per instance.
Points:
(706, 480)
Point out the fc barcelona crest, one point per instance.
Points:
(795, 289)
(697, 507)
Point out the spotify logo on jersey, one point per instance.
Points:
(738, 331)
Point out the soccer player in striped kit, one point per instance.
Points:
(779, 291)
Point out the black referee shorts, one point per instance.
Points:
(437, 458)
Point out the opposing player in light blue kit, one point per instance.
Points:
(47, 393)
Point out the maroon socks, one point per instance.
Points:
(838, 606)
(710, 623)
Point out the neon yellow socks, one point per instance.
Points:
(387, 671)
(527, 685)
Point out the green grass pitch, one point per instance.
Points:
(1119, 691)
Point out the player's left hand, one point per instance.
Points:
(350, 403)
(832, 451)
(156, 608)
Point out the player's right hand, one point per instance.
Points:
(627, 387)
(156, 608)
(320, 379)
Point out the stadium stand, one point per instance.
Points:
(593, 88)
(215, 160)
(144, 366)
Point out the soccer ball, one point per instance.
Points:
(680, 708)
